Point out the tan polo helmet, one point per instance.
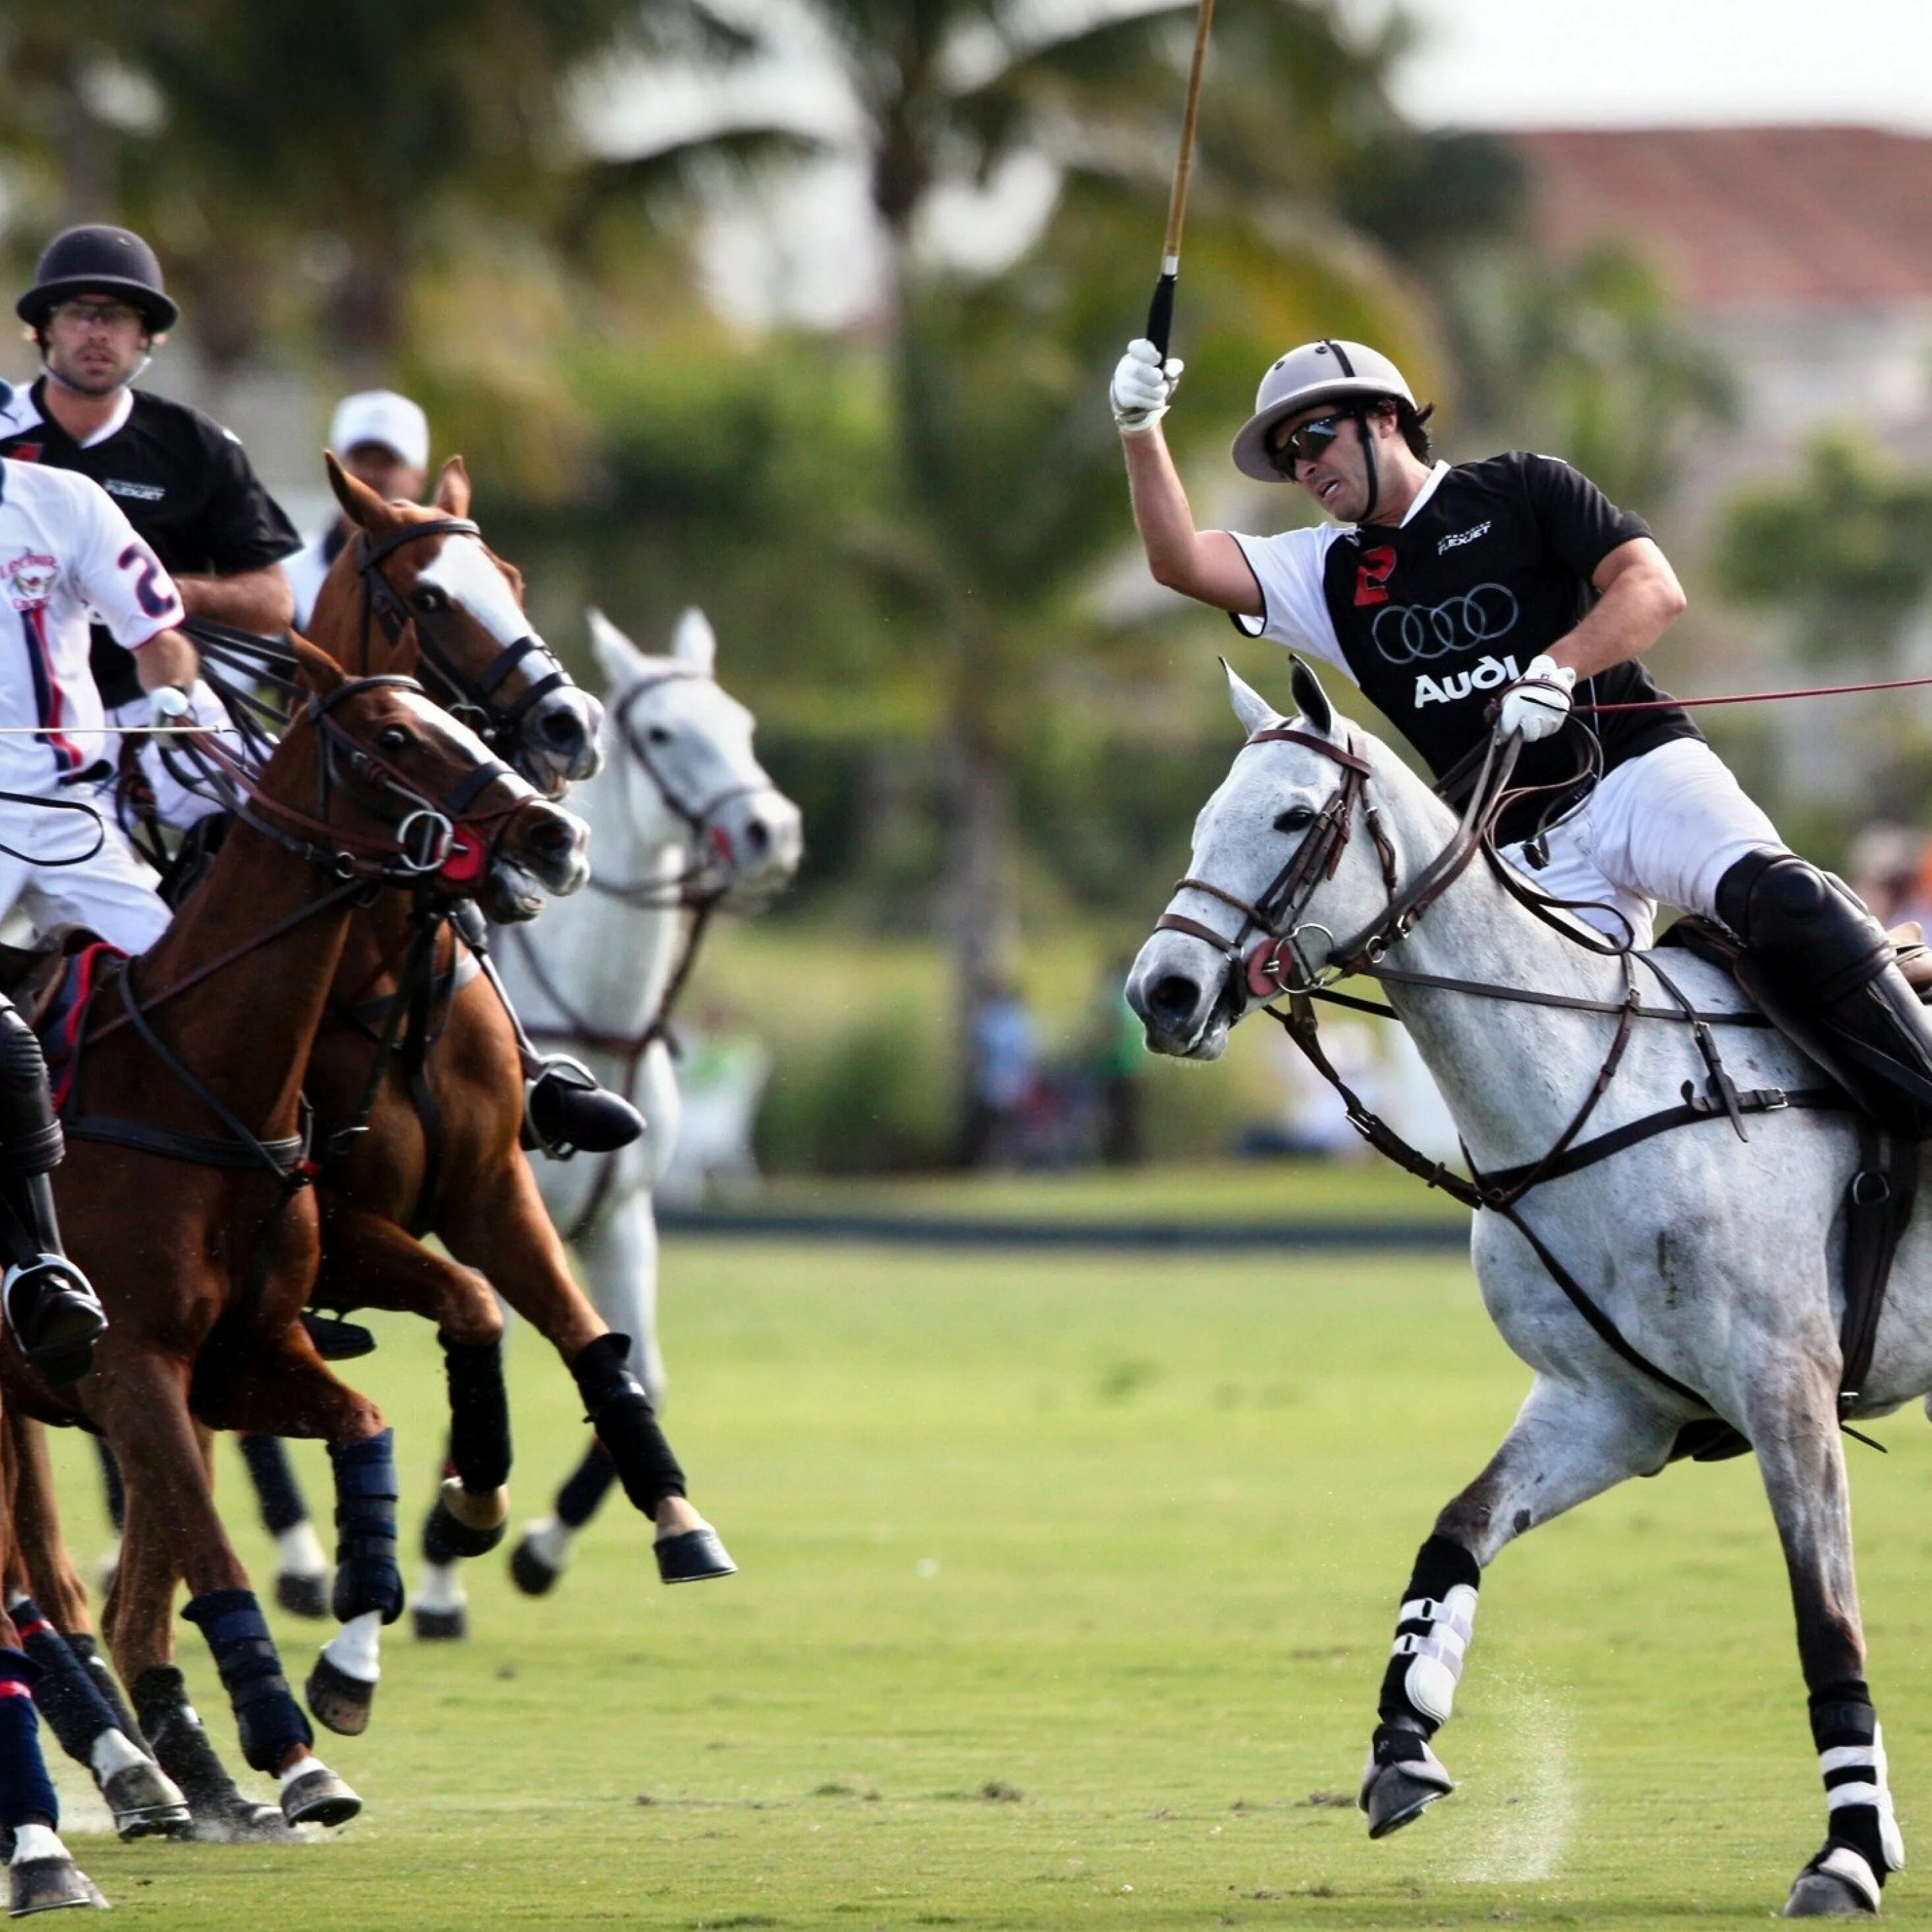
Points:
(1327, 371)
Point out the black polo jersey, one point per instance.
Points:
(183, 482)
(1432, 618)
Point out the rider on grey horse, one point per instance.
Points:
(1441, 589)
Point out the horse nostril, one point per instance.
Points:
(554, 836)
(562, 729)
(1174, 997)
(758, 836)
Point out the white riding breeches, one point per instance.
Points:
(112, 893)
(1662, 829)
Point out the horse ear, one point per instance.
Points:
(1250, 707)
(694, 642)
(452, 489)
(316, 670)
(1310, 699)
(620, 661)
(360, 504)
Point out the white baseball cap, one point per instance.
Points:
(381, 416)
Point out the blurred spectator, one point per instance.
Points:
(1003, 1048)
(382, 440)
(1118, 1059)
(1891, 871)
(722, 1069)
(1312, 1120)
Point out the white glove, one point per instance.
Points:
(171, 709)
(1142, 387)
(1538, 704)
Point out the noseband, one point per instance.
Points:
(496, 724)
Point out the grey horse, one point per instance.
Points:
(1718, 1261)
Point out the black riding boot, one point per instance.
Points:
(53, 1314)
(1825, 959)
(565, 1111)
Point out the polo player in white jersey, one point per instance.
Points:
(65, 551)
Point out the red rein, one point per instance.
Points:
(1759, 697)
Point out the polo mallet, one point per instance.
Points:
(1160, 310)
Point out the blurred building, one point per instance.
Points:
(1805, 251)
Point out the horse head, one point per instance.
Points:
(416, 797)
(680, 748)
(1288, 869)
(429, 567)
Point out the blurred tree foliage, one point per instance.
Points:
(1842, 550)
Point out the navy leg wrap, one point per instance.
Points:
(26, 1792)
(67, 1696)
(366, 1576)
(269, 1718)
(586, 1486)
(479, 1414)
(110, 1481)
(84, 1646)
(276, 1489)
(622, 1414)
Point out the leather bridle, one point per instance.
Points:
(497, 724)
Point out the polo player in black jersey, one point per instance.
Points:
(1440, 589)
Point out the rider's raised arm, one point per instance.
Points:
(1205, 564)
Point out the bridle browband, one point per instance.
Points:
(494, 722)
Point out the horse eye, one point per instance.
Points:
(658, 735)
(426, 597)
(393, 738)
(1296, 818)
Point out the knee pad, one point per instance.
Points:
(266, 1715)
(30, 1136)
(366, 1576)
(1785, 909)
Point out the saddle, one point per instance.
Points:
(1879, 1198)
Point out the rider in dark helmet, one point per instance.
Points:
(1441, 590)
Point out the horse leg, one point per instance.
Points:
(499, 1225)
(92, 1728)
(143, 1406)
(1793, 1424)
(1566, 1446)
(287, 1386)
(382, 1266)
(41, 1874)
(114, 1496)
(619, 1257)
(301, 1570)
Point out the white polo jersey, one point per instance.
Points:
(67, 556)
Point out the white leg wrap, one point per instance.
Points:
(301, 1768)
(298, 1551)
(1874, 1789)
(1436, 1653)
(356, 1649)
(113, 1751)
(32, 1842)
(441, 1588)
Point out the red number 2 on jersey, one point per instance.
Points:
(1372, 579)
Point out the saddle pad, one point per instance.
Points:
(62, 1020)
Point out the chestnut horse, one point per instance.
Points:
(184, 1192)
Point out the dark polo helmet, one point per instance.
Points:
(1327, 371)
(113, 260)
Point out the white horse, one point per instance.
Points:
(1718, 1262)
(683, 818)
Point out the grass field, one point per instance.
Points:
(1066, 1587)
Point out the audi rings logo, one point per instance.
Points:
(1407, 633)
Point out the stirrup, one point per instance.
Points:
(567, 1112)
(57, 1331)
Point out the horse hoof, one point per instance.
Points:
(146, 1803)
(467, 1525)
(441, 1626)
(530, 1570)
(48, 1884)
(1839, 1883)
(319, 1797)
(337, 1700)
(1395, 1794)
(302, 1596)
(693, 1556)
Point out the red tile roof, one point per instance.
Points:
(1809, 216)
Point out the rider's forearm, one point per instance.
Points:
(1206, 565)
(253, 600)
(1638, 603)
(167, 657)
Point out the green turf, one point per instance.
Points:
(1067, 1586)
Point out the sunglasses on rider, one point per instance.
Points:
(1307, 443)
(87, 314)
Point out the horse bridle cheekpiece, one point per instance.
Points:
(494, 723)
